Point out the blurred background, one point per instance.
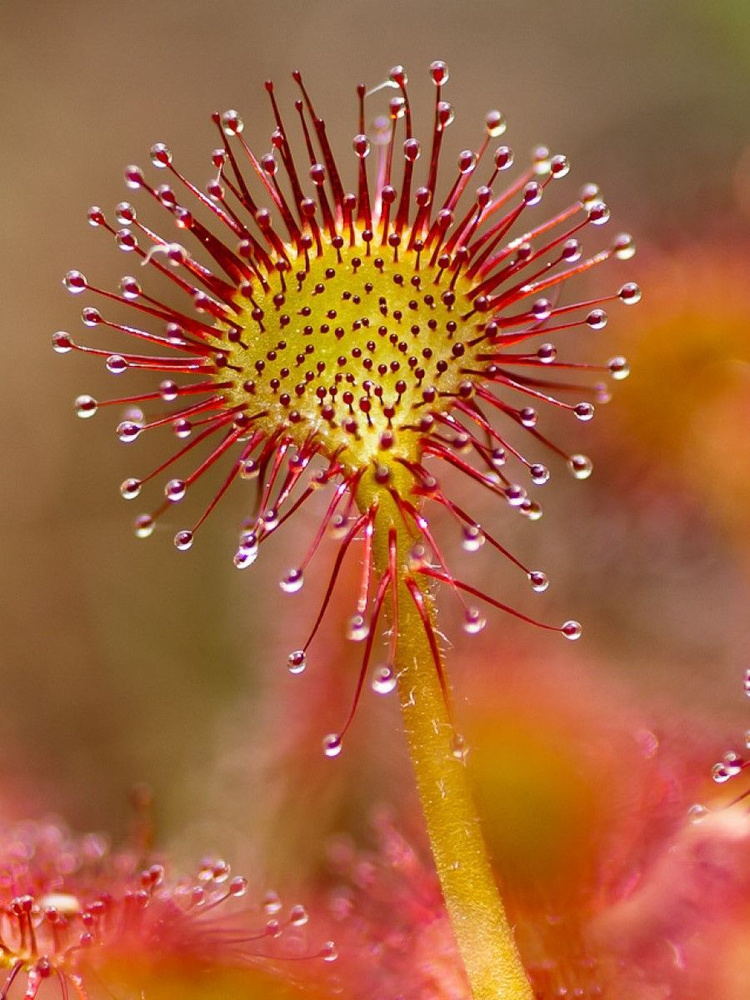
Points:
(125, 662)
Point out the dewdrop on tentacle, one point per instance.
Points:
(339, 325)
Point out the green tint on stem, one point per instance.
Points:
(480, 924)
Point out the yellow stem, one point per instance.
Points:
(480, 924)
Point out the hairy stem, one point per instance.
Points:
(483, 933)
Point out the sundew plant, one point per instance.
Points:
(81, 920)
(352, 330)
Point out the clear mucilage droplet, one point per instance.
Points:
(531, 509)
(624, 246)
(243, 558)
(128, 431)
(296, 661)
(384, 679)
(332, 745)
(630, 293)
(61, 342)
(130, 489)
(539, 474)
(581, 466)
(697, 812)
(328, 952)
(473, 621)
(292, 581)
(298, 916)
(357, 628)
(175, 490)
(572, 630)
(238, 885)
(143, 526)
(459, 747)
(719, 774)
(86, 406)
(272, 903)
(472, 538)
(183, 540)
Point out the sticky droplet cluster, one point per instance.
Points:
(319, 336)
(69, 906)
